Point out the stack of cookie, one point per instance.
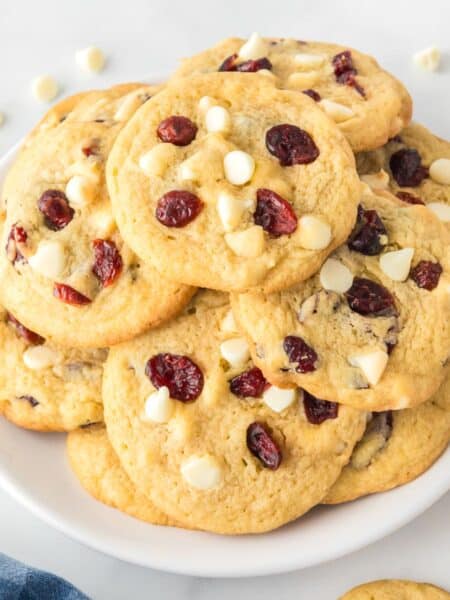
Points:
(312, 366)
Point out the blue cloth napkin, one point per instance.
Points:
(19, 582)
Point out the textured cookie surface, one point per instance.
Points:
(397, 447)
(255, 190)
(372, 106)
(47, 387)
(61, 247)
(206, 447)
(392, 589)
(358, 331)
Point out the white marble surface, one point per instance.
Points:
(142, 37)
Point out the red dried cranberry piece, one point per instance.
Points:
(91, 149)
(409, 198)
(251, 66)
(365, 237)
(56, 209)
(345, 72)
(317, 411)
(426, 274)
(29, 336)
(229, 64)
(274, 214)
(263, 446)
(68, 295)
(406, 167)
(30, 399)
(178, 208)
(313, 94)
(370, 299)
(291, 145)
(348, 78)
(177, 130)
(17, 237)
(299, 352)
(249, 384)
(178, 373)
(108, 263)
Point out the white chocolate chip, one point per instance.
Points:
(230, 210)
(40, 357)
(397, 264)
(308, 61)
(308, 308)
(44, 88)
(49, 260)
(159, 406)
(217, 119)
(128, 106)
(266, 73)
(314, 234)
(440, 171)
(80, 190)
(377, 181)
(90, 59)
(335, 276)
(303, 80)
(254, 47)
(278, 398)
(156, 161)
(228, 324)
(2, 118)
(202, 472)
(338, 112)
(205, 103)
(372, 364)
(102, 221)
(249, 243)
(441, 210)
(239, 167)
(428, 59)
(235, 351)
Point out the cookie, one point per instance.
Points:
(396, 448)
(396, 589)
(358, 331)
(415, 166)
(234, 196)
(61, 247)
(368, 104)
(202, 435)
(47, 387)
(98, 469)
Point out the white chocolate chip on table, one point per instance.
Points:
(428, 58)
(44, 88)
(90, 59)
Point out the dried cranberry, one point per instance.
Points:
(91, 149)
(317, 411)
(251, 66)
(348, 78)
(56, 209)
(177, 130)
(409, 198)
(263, 446)
(249, 384)
(366, 235)
(178, 208)
(108, 263)
(299, 352)
(291, 145)
(229, 64)
(67, 294)
(313, 94)
(426, 274)
(17, 237)
(29, 336)
(370, 299)
(30, 399)
(406, 167)
(274, 214)
(345, 72)
(178, 373)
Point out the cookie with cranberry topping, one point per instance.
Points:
(397, 447)
(44, 386)
(358, 331)
(67, 273)
(211, 444)
(368, 103)
(415, 166)
(248, 191)
(390, 589)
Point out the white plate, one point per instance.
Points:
(34, 470)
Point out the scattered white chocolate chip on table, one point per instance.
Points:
(90, 59)
(428, 58)
(44, 88)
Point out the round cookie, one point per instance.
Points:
(396, 589)
(98, 469)
(368, 104)
(61, 247)
(415, 166)
(358, 331)
(204, 197)
(396, 448)
(47, 387)
(190, 419)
